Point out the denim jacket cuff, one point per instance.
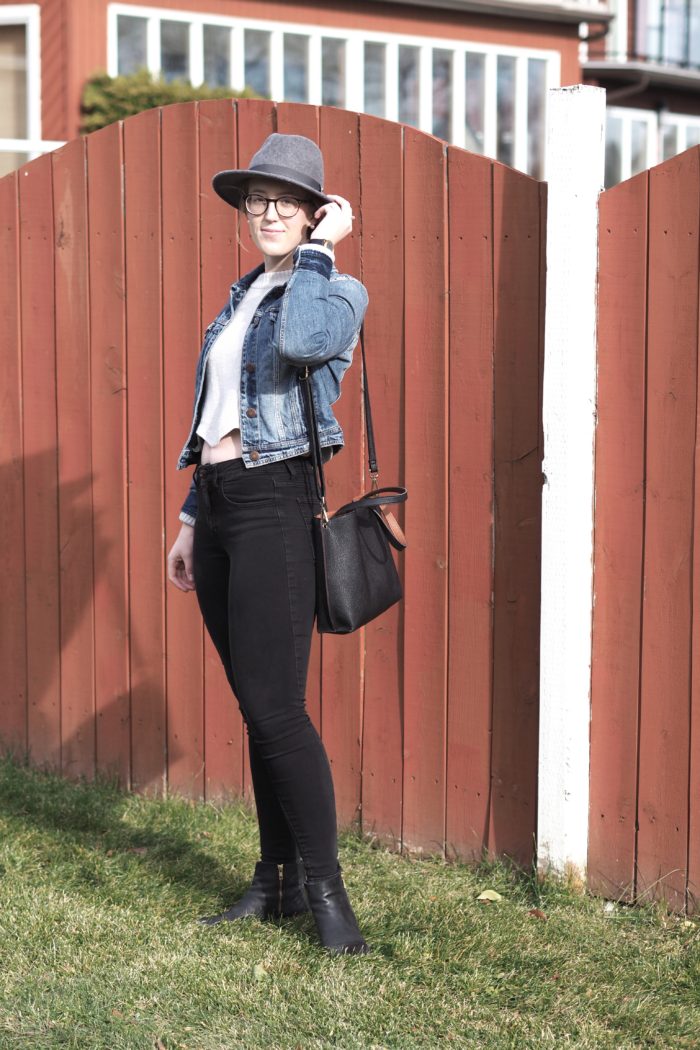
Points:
(318, 262)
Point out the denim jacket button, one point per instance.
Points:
(251, 413)
(255, 456)
(250, 367)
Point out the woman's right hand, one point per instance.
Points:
(180, 570)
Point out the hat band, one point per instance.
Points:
(286, 173)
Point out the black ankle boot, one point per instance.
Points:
(335, 920)
(261, 899)
(292, 899)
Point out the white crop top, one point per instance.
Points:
(221, 408)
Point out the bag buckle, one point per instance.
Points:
(374, 474)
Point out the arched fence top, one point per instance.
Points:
(122, 253)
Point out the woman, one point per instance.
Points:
(246, 543)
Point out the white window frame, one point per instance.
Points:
(354, 80)
(646, 116)
(681, 121)
(28, 15)
(655, 123)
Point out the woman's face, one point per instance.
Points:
(273, 235)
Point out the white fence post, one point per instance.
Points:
(575, 165)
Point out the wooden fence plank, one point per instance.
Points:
(40, 464)
(518, 271)
(382, 261)
(223, 725)
(108, 383)
(693, 864)
(181, 340)
(13, 638)
(342, 657)
(303, 120)
(425, 450)
(470, 226)
(619, 538)
(671, 390)
(74, 461)
(145, 415)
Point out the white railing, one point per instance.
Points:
(27, 149)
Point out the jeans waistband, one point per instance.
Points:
(210, 473)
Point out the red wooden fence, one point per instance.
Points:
(645, 731)
(121, 254)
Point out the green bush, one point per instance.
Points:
(106, 99)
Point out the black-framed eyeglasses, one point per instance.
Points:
(286, 206)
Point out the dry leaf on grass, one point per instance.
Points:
(490, 896)
(537, 914)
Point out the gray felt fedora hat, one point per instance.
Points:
(293, 159)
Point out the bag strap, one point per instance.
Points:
(314, 440)
(376, 498)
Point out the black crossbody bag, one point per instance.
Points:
(356, 578)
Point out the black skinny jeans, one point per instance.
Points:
(255, 579)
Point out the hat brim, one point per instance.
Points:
(230, 186)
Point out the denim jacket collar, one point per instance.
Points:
(241, 286)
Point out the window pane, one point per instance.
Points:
(175, 50)
(409, 84)
(474, 94)
(613, 150)
(131, 44)
(332, 72)
(648, 29)
(674, 31)
(296, 68)
(694, 34)
(639, 132)
(217, 55)
(692, 135)
(256, 44)
(375, 92)
(505, 109)
(669, 141)
(13, 87)
(536, 100)
(442, 93)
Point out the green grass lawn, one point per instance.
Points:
(99, 947)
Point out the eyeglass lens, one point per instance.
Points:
(286, 206)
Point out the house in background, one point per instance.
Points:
(649, 63)
(474, 72)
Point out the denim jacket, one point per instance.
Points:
(314, 319)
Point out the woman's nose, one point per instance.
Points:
(271, 205)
